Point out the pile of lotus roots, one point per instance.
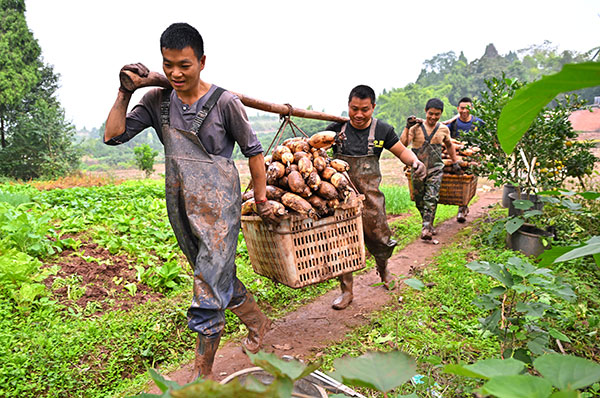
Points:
(303, 179)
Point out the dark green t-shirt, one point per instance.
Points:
(356, 143)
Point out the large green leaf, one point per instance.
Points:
(496, 271)
(519, 112)
(565, 394)
(281, 368)
(518, 266)
(376, 370)
(592, 247)
(567, 372)
(514, 224)
(548, 256)
(487, 368)
(213, 389)
(535, 310)
(590, 195)
(414, 283)
(520, 386)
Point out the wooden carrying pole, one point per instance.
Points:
(131, 81)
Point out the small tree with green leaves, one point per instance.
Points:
(144, 158)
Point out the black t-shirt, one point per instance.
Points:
(357, 141)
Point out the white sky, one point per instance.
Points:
(302, 52)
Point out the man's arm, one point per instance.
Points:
(405, 155)
(447, 122)
(404, 140)
(259, 183)
(410, 159)
(115, 123)
(256, 164)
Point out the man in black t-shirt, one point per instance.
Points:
(360, 142)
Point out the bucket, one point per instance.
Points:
(506, 190)
(528, 240)
(513, 211)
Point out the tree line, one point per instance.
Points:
(37, 142)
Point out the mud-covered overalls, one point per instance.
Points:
(204, 205)
(365, 174)
(427, 191)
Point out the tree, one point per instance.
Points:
(395, 106)
(36, 141)
(144, 158)
(19, 53)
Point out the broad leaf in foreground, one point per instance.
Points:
(567, 372)
(520, 386)
(376, 370)
(487, 368)
(518, 113)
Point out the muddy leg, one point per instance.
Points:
(206, 348)
(343, 300)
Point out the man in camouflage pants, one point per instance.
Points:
(426, 137)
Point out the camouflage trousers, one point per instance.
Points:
(427, 193)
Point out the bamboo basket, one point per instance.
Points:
(455, 189)
(301, 251)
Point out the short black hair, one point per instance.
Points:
(465, 99)
(361, 92)
(434, 103)
(181, 35)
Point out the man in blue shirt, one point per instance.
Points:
(464, 121)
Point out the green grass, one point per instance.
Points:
(397, 199)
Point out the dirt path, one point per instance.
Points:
(315, 326)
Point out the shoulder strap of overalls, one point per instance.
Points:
(200, 116)
(164, 107)
(429, 137)
(453, 128)
(206, 108)
(371, 142)
(341, 138)
(371, 139)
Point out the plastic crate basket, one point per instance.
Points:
(455, 189)
(302, 251)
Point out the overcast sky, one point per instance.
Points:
(298, 52)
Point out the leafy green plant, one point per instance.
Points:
(162, 278)
(520, 307)
(560, 376)
(20, 277)
(72, 284)
(582, 208)
(131, 287)
(546, 154)
(26, 231)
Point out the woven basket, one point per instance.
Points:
(302, 251)
(455, 189)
